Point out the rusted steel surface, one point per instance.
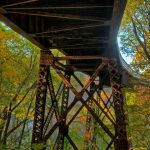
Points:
(40, 105)
(86, 32)
(121, 141)
(88, 123)
(63, 128)
(75, 27)
(98, 109)
(81, 58)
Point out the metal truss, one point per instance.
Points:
(105, 112)
(88, 121)
(63, 128)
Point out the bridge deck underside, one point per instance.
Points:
(75, 27)
(86, 32)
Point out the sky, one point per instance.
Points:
(128, 59)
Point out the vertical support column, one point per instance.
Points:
(88, 121)
(38, 124)
(63, 129)
(121, 142)
(97, 110)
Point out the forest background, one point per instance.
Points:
(19, 60)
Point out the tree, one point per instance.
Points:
(19, 61)
(135, 42)
(135, 34)
(138, 109)
(19, 65)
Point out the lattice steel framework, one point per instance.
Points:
(105, 112)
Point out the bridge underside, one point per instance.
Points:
(86, 32)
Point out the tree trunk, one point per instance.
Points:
(3, 116)
(4, 139)
(23, 128)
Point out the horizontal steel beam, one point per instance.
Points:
(20, 31)
(56, 15)
(101, 23)
(61, 7)
(61, 37)
(79, 48)
(69, 36)
(82, 58)
(19, 3)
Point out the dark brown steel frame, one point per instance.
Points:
(47, 59)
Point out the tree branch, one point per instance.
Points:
(14, 128)
(139, 40)
(23, 97)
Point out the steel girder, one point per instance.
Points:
(120, 128)
(63, 128)
(99, 109)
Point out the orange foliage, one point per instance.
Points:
(83, 118)
(143, 94)
(87, 135)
